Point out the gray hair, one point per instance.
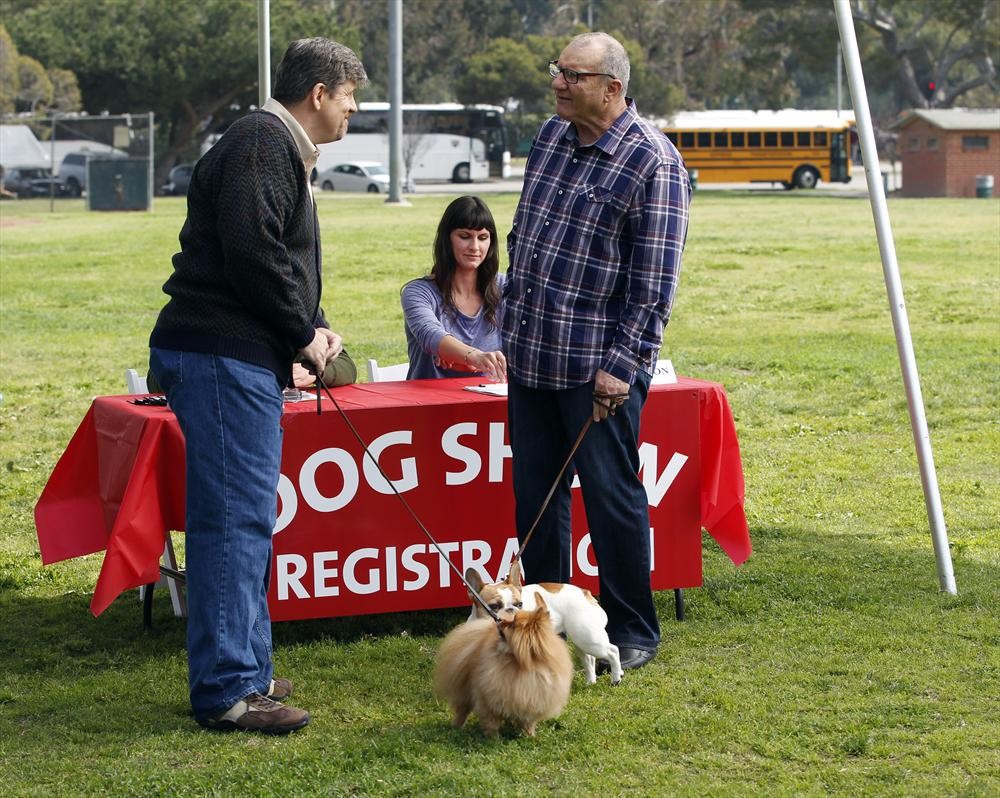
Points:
(614, 59)
(310, 61)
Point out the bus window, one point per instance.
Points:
(819, 138)
(802, 138)
(687, 140)
(721, 139)
(753, 139)
(704, 139)
(787, 138)
(370, 122)
(672, 135)
(770, 138)
(736, 139)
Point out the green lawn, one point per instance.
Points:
(830, 663)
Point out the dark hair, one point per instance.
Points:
(310, 61)
(467, 213)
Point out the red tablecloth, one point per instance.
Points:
(343, 542)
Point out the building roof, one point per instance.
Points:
(952, 118)
(786, 118)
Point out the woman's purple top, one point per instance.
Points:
(426, 322)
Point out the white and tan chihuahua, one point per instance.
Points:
(573, 611)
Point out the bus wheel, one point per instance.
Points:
(462, 174)
(805, 177)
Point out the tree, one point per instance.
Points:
(192, 62)
(942, 49)
(508, 72)
(35, 93)
(416, 141)
(66, 96)
(10, 82)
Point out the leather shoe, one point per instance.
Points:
(260, 714)
(280, 689)
(632, 658)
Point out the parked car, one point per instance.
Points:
(369, 176)
(178, 180)
(73, 170)
(31, 181)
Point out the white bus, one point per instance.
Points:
(442, 141)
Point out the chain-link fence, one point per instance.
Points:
(108, 160)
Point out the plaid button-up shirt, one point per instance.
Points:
(595, 253)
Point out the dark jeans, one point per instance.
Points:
(230, 414)
(543, 426)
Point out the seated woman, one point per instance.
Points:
(452, 316)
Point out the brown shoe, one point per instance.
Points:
(258, 713)
(280, 689)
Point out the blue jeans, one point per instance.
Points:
(230, 414)
(543, 426)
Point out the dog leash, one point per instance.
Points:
(610, 403)
(475, 593)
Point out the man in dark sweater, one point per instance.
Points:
(244, 304)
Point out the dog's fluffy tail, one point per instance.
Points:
(457, 657)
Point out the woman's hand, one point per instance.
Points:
(492, 364)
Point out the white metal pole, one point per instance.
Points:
(52, 167)
(840, 80)
(150, 171)
(396, 131)
(894, 288)
(263, 51)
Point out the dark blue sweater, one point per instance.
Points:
(247, 281)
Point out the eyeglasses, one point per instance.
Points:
(571, 75)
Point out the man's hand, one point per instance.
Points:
(302, 377)
(335, 341)
(314, 355)
(609, 393)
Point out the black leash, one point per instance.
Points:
(430, 537)
(610, 403)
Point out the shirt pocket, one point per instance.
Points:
(597, 212)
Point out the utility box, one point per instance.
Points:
(118, 184)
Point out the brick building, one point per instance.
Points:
(944, 150)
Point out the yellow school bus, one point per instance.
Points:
(794, 148)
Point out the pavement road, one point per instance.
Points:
(857, 186)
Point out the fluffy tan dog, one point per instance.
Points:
(521, 677)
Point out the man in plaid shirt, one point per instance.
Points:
(595, 255)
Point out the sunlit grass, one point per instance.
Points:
(830, 663)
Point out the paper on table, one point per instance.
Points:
(664, 374)
(492, 388)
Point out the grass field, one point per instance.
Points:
(829, 664)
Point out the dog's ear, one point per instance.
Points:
(541, 607)
(474, 580)
(514, 577)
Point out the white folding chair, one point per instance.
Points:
(394, 373)
(137, 384)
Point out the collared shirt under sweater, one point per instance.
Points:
(247, 281)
